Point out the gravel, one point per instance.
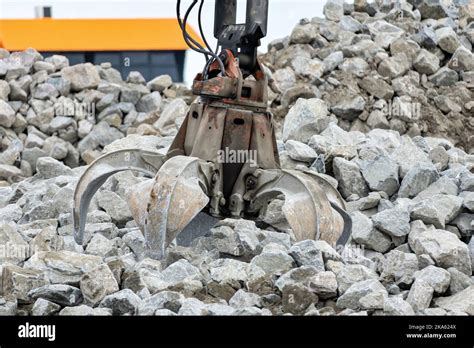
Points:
(379, 105)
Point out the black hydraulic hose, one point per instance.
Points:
(221, 64)
(189, 39)
(193, 44)
(200, 27)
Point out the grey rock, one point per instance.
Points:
(444, 77)
(102, 134)
(409, 155)
(447, 39)
(459, 281)
(394, 222)
(284, 78)
(8, 306)
(123, 302)
(397, 306)
(297, 298)
(334, 10)
(426, 62)
(63, 267)
(462, 60)
(299, 151)
(171, 115)
(64, 295)
(160, 83)
(438, 210)
(45, 91)
(101, 246)
(168, 300)
(350, 108)
(399, 267)
(462, 301)
(333, 60)
(4, 90)
(432, 9)
(349, 177)
(443, 186)
(420, 295)
(438, 278)
(381, 174)
(182, 274)
(444, 248)
(355, 65)
(11, 213)
(300, 275)
(7, 114)
(366, 294)
(365, 203)
(351, 274)
(377, 87)
(464, 222)
(11, 242)
(364, 232)
(417, 179)
(59, 62)
(324, 284)
(192, 306)
(303, 33)
(48, 168)
(44, 307)
(219, 309)
(439, 157)
(243, 299)
(466, 182)
(273, 260)
(149, 103)
(307, 253)
(98, 283)
(350, 24)
(307, 67)
(115, 206)
(18, 282)
(81, 76)
(305, 118)
(395, 66)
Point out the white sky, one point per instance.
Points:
(283, 15)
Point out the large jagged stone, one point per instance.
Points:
(305, 118)
(444, 248)
(461, 302)
(349, 177)
(367, 294)
(420, 295)
(81, 76)
(394, 222)
(18, 282)
(63, 267)
(364, 232)
(98, 283)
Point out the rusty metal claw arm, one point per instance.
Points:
(100, 170)
(308, 205)
(180, 191)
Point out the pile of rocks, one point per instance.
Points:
(401, 65)
(412, 205)
(69, 113)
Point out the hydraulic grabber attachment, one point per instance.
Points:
(224, 160)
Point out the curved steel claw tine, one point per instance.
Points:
(309, 204)
(179, 193)
(100, 170)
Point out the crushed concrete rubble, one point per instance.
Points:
(378, 97)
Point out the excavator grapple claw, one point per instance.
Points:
(100, 170)
(203, 169)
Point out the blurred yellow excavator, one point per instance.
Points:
(230, 116)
